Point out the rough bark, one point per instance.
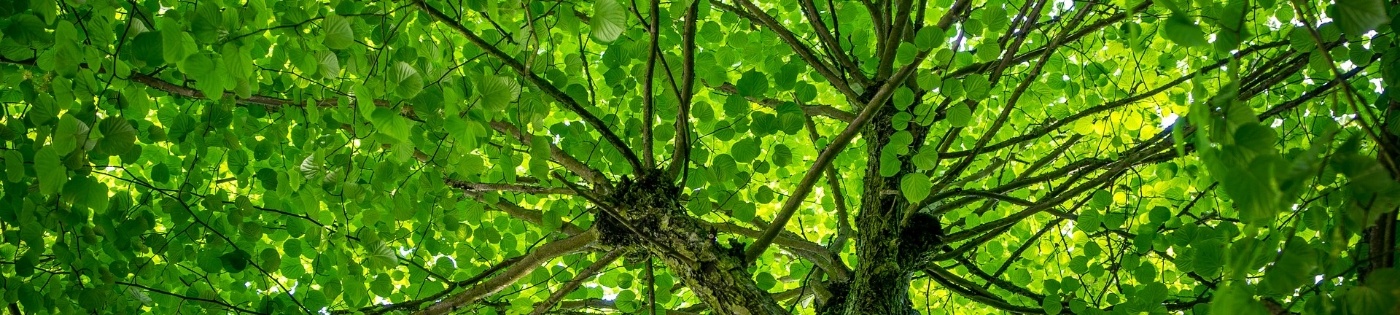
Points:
(651, 206)
(885, 261)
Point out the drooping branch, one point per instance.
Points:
(415, 304)
(1011, 101)
(518, 271)
(797, 46)
(558, 155)
(971, 291)
(838, 196)
(15, 310)
(1047, 128)
(573, 284)
(518, 212)
(548, 88)
(830, 43)
(818, 255)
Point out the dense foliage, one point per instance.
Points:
(711, 156)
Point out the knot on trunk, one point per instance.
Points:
(645, 205)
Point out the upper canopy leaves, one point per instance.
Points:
(979, 156)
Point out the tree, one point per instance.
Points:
(721, 156)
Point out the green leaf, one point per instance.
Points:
(929, 37)
(959, 115)
(173, 41)
(915, 187)
(553, 219)
(381, 286)
(1181, 30)
(206, 23)
(27, 29)
(1159, 214)
(1209, 257)
(791, 119)
(752, 84)
(388, 122)
(1146, 272)
(766, 281)
(497, 92)
(977, 87)
(1102, 199)
(781, 155)
(1357, 17)
(14, 166)
(117, 135)
(329, 66)
(49, 166)
(744, 212)
(889, 163)
(337, 31)
(1366, 300)
(926, 159)
(1051, 304)
(1153, 293)
(745, 150)
(608, 21)
(66, 137)
(764, 195)
(409, 82)
(236, 260)
(382, 256)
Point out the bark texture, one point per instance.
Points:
(715, 273)
(886, 262)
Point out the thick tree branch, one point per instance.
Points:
(680, 159)
(834, 148)
(813, 252)
(811, 110)
(649, 96)
(521, 188)
(889, 43)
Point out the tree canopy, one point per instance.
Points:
(699, 156)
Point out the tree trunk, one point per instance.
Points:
(716, 274)
(884, 263)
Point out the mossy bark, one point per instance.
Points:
(885, 261)
(651, 206)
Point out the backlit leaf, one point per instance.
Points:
(609, 20)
